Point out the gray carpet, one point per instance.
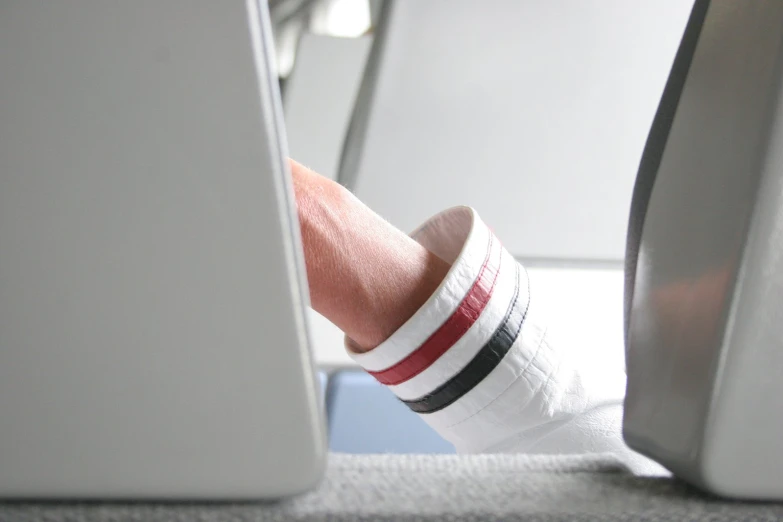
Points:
(443, 487)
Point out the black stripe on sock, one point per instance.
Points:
(483, 363)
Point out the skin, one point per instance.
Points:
(365, 275)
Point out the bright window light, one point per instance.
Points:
(346, 18)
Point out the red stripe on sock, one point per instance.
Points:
(455, 326)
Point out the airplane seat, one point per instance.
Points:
(459, 105)
(704, 291)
